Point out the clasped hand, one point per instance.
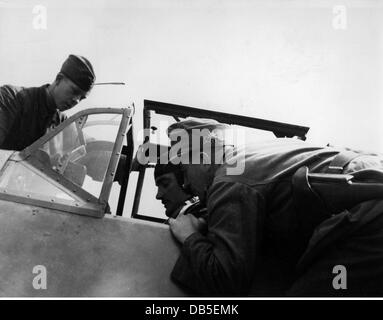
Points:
(185, 225)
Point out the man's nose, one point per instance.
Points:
(159, 195)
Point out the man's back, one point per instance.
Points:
(268, 170)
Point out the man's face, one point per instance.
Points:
(67, 94)
(170, 193)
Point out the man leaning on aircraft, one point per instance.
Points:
(27, 113)
(295, 214)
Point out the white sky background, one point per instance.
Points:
(278, 60)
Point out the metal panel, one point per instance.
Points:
(83, 257)
(112, 168)
(4, 156)
(280, 129)
(96, 211)
(141, 175)
(129, 153)
(137, 195)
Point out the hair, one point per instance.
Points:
(162, 169)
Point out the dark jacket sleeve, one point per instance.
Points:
(222, 262)
(10, 108)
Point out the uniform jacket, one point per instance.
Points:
(25, 115)
(255, 234)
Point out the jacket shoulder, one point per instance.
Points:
(10, 91)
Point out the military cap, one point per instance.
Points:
(212, 129)
(192, 134)
(79, 70)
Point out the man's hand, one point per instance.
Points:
(185, 225)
